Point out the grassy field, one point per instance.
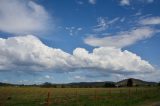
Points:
(34, 96)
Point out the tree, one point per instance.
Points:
(109, 84)
(47, 85)
(130, 82)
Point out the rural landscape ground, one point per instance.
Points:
(36, 96)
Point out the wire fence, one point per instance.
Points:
(95, 98)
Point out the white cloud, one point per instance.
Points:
(113, 20)
(23, 81)
(77, 77)
(47, 76)
(28, 53)
(150, 21)
(92, 1)
(124, 2)
(138, 13)
(122, 19)
(103, 23)
(128, 2)
(73, 30)
(79, 29)
(122, 39)
(22, 17)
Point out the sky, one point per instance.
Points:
(63, 41)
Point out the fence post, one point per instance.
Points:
(48, 99)
(106, 95)
(76, 97)
(110, 92)
(120, 91)
(129, 92)
(95, 96)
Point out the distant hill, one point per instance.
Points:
(135, 82)
(81, 84)
(93, 84)
(123, 83)
(5, 84)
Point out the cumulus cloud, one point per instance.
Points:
(150, 21)
(22, 17)
(122, 39)
(28, 53)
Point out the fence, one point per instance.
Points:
(95, 97)
(109, 95)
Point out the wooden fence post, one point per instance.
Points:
(76, 97)
(48, 99)
(120, 91)
(129, 92)
(110, 92)
(95, 96)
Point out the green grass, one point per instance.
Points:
(34, 96)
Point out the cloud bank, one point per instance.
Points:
(26, 53)
(22, 17)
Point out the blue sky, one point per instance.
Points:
(63, 41)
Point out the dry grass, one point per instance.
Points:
(35, 96)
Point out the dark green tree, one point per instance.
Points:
(109, 85)
(130, 82)
(46, 84)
